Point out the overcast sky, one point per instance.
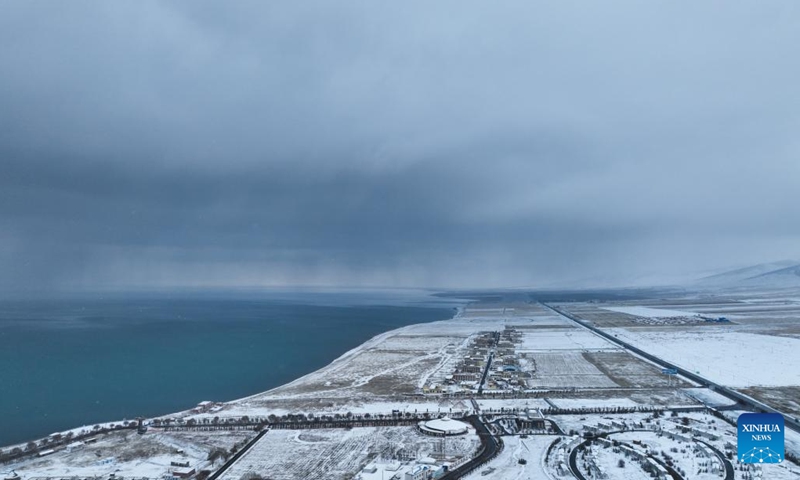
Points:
(395, 143)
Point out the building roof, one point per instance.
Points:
(446, 425)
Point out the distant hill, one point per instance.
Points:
(789, 277)
(785, 273)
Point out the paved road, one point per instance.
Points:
(552, 405)
(236, 456)
(485, 373)
(727, 463)
(491, 446)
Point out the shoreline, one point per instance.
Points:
(349, 354)
(376, 339)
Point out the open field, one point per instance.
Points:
(628, 371)
(125, 453)
(562, 339)
(507, 467)
(567, 369)
(785, 399)
(338, 454)
(728, 357)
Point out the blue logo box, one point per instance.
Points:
(760, 438)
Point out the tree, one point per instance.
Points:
(216, 454)
(252, 476)
(621, 463)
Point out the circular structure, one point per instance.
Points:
(444, 427)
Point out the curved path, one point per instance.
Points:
(491, 446)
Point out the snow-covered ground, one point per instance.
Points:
(521, 403)
(125, 453)
(649, 312)
(567, 369)
(507, 467)
(728, 357)
(341, 454)
(687, 459)
(561, 339)
(595, 402)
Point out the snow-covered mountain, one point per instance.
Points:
(781, 274)
(784, 277)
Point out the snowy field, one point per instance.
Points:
(392, 366)
(567, 369)
(594, 402)
(338, 454)
(519, 403)
(560, 339)
(732, 358)
(507, 467)
(540, 321)
(393, 363)
(126, 453)
(648, 312)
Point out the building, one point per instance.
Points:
(180, 473)
(534, 420)
(73, 446)
(420, 472)
(465, 377)
(444, 427)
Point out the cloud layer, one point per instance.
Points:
(409, 144)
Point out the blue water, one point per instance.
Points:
(69, 362)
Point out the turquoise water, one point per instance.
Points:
(74, 361)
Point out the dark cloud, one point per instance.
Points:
(457, 144)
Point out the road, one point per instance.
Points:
(485, 372)
(495, 339)
(236, 456)
(491, 446)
